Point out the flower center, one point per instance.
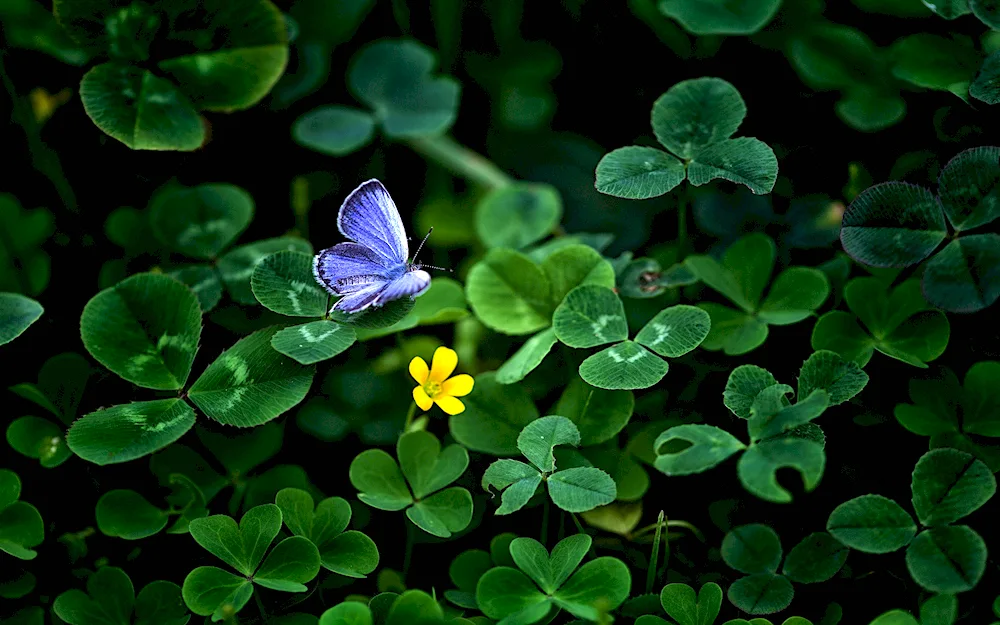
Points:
(433, 389)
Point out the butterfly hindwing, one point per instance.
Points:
(413, 282)
(369, 217)
(347, 267)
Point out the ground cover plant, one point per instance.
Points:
(370, 312)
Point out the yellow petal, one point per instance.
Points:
(418, 370)
(458, 386)
(420, 396)
(449, 404)
(444, 363)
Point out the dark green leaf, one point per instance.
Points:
(694, 114)
(708, 17)
(949, 484)
(582, 488)
(509, 293)
(948, 559)
(675, 331)
(251, 383)
(39, 439)
(394, 78)
(817, 558)
(597, 413)
(589, 316)
(284, 282)
(145, 328)
(893, 224)
(236, 266)
(965, 275)
(757, 468)
(625, 366)
(762, 593)
(334, 130)
(140, 109)
(494, 416)
(130, 431)
(17, 313)
(200, 221)
(241, 547)
(744, 160)
(872, 524)
(752, 548)
(744, 384)
(126, 514)
(709, 446)
(293, 562)
(518, 215)
(826, 370)
(638, 173)
(527, 357)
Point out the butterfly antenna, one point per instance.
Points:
(421, 246)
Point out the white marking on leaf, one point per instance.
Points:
(598, 326)
(662, 332)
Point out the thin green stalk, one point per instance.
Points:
(579, 528)
(654, 557)
(409, 417)
(408, 554)
(461, 161)
(545, 520)
(260, 606)
(682, 229)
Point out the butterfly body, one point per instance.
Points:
(374, 267)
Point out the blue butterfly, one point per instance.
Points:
(375, 269)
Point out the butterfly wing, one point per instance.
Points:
(369, 216)
(349, 267)
(412, 283)
(358, 300)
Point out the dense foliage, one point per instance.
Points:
(736, 362)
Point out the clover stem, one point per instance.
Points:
(545, 520)
(408, 554)
(461, 161)
(409, 418)
(260, 606)
(654, 557)
(682, 230)
(579, 528)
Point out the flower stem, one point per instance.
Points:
(682, 230)
(408, 554)
(461, 161)
(260, 606)
(545, 520)
(409, 418)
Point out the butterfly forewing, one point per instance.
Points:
(369, 216)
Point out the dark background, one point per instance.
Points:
(613, 69)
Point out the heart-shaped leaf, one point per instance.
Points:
(241, 547)
(443, 513)
(965, 275)
(126, 514)
(517, 481)
(517, 215)
(109, 600)
(761, 593)
(817, 558)
(200, 221)
(426, 467)
(394, 78)
(145, 329)
(681, 604)
(293, 562)
(377, 476)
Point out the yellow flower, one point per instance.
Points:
(435, 385)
